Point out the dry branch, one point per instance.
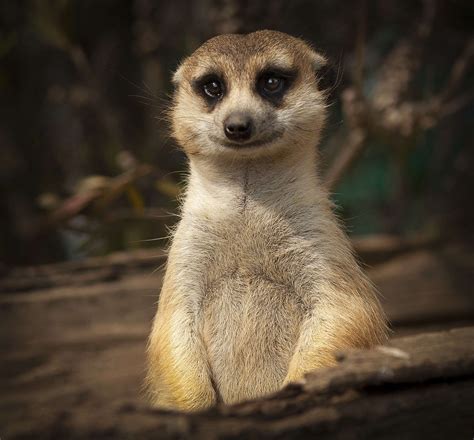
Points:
(389, 114)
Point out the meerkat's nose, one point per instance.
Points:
(238, 127)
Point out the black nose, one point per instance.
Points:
(238, 127)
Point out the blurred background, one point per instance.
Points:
(88, 168)
(87, 164)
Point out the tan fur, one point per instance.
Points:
(261, 284)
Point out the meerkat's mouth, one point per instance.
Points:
(251, 144)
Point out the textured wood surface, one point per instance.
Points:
(72, 341)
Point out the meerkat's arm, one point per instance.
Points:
(178, 374)
(352, 322)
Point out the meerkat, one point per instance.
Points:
(261, 284)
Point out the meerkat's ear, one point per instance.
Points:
(177, 75)
(318, 60)
(325, 72)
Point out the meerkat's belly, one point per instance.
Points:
(251, 328)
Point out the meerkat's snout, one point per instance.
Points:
(238, 127)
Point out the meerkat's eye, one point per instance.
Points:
(213, 88)
(273, 84)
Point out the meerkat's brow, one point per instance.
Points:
(204, 70)
(285, 70)
(281, 60)
(207, 75)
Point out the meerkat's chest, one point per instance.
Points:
(250, 329)
(245, 250)
(251, 306)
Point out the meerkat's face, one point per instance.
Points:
(249, 95)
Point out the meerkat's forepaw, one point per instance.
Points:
(190, 402)
(293, 381)
(294, 375)
(299, 368)
(199, 402)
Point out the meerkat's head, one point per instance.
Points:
(249, 95)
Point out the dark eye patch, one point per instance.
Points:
(273, 82)
(211, 87)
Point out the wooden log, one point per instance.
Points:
(73, 359)
(417, 387)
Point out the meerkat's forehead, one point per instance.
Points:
(251, 52)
